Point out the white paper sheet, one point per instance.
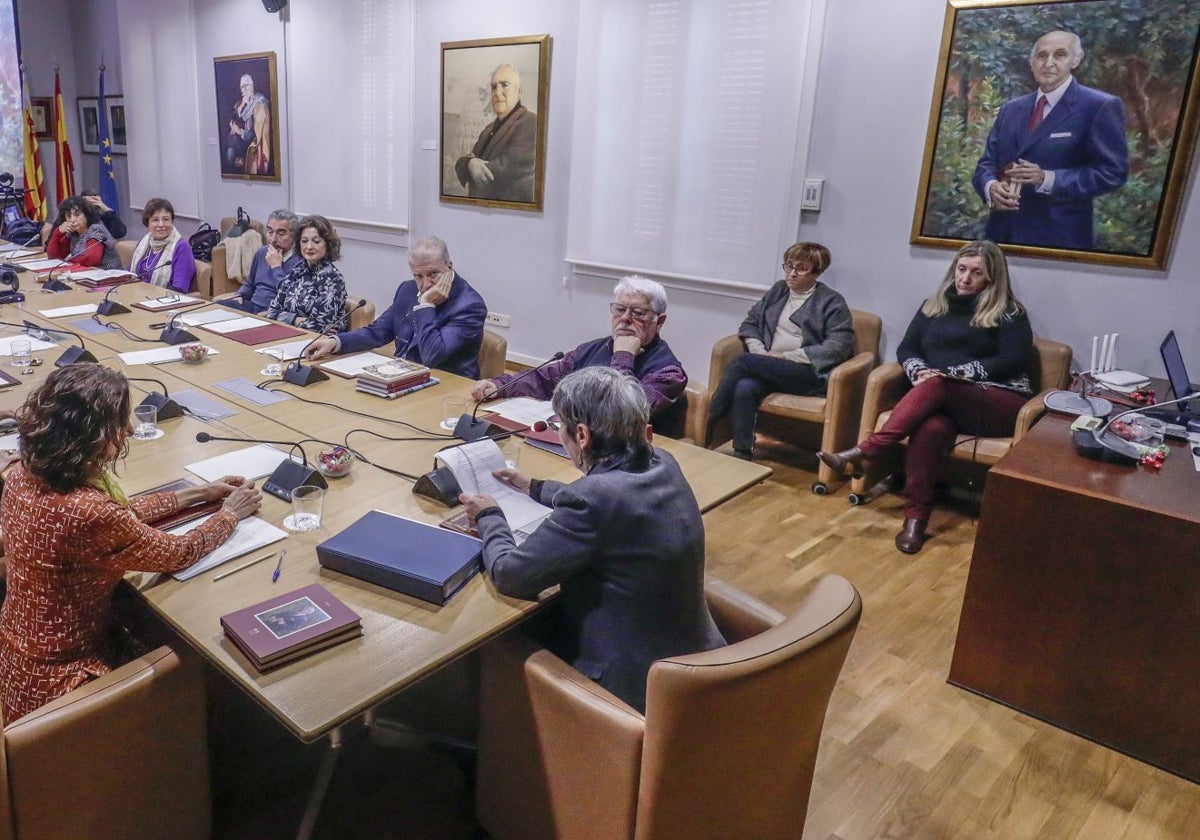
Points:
(64, 311)
(10, 441)
(524, 410)
(13, 251)
(472, 465)
(241, 323)
(157, 355)
(285, 352)
(251, 533)
(41, 265)
(207, 316)
(35, 344)
(168, 301)
(353, 365)
(252, 462)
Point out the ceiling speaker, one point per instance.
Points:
(273, 6)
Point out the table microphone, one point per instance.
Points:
(70, 356)
(172, 334)
(166, 407)
(108, 306)
(53, 284)
(1098, 445)
(288, 475)
(470, 428)
(297, 373)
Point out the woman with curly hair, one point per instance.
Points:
(80, 238)
(313, 294)
(71, 534)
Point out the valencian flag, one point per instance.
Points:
(108, 181)
(35, 190)
(62, 149)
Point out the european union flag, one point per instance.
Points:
(108, 180)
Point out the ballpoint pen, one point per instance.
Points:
(247, 565)
(279, 565)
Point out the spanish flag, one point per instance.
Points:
(35, 190)
(62, 149)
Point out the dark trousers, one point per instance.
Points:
(931, 416)
(245, 306)
(747, 382)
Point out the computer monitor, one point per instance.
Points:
(1177, 375)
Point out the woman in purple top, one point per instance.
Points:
(163, 257)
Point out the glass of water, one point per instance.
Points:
(22, 352)
(307, 504)
(145, 422)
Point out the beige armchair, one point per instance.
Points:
(125, 249)
(220, 283)
(363, 315)
(493, 354)
(123, 756)
(837, 413)
(887, 384)
(726, 748)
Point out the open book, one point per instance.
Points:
(472, 465)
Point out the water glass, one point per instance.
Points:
(511, 447)
(452, 409)
(307, 503)
(22, 352)
(145, 422)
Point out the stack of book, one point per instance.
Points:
(290, 626)
(394, 378)
(98, 278)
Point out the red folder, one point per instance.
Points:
(263, 334)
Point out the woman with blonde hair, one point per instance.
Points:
(967, 354)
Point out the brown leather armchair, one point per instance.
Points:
(493, 354)
(363, 315)
(887, 384)
(125, 249)
(123, 756)
(837, 412)
(726, 748)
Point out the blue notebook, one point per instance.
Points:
(403, 555)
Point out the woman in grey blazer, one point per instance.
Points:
(625, 541)
(795, 335)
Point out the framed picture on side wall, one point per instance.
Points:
(42, 110)
(89, 123)
(1062, 129)
(495, 96)
(248, 116)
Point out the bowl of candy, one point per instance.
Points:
(335, 462)
(193, 354)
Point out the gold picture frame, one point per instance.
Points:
(485, 160)
(247, 115)
(1139, 61)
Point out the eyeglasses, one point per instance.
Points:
(553, 423)
(637, 313)
(788, 268)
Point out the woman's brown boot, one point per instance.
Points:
(912, 535)
(838, 461)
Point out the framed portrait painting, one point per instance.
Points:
(248, 116)
(1062, 128)
(89, 123)
(42, 110)
(495, 95)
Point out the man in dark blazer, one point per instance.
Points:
(436, 319)
(501, 163)
(1051, 152)
(625, 542)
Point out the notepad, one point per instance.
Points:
(251, 534)
(250, 462)
(64, 311)
(156, 356)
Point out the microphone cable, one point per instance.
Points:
(428, 434)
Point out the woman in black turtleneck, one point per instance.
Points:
(967, 354)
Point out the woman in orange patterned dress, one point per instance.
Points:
(71, 534)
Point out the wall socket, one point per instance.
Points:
(811, 197)
(498, 320)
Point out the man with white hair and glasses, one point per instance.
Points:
(639, 310)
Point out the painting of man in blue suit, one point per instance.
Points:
(1051, 152)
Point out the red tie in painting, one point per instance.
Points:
(1039, 111)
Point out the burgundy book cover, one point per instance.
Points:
(263, 334)
(297, 619)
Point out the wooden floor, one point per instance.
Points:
(904, 754)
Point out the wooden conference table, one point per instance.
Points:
(403, 638)
(1083, 597)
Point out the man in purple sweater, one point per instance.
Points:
(639, 310)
